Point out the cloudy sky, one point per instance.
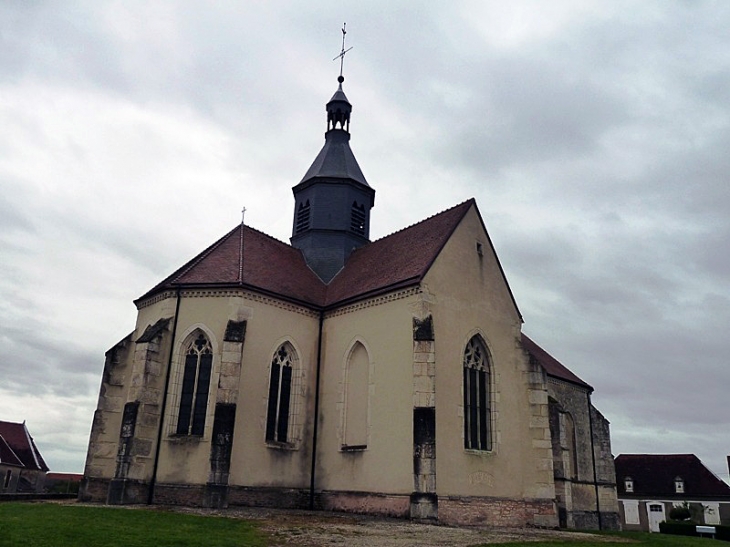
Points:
(593, 135)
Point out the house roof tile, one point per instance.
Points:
(7, 456)
(552, 366)
(654, 475)
(19, 440)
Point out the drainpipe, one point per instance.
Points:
(151, 494)
(316, 412)
(593, 458)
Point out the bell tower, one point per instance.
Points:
(332, 202)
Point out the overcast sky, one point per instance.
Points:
(593, 135)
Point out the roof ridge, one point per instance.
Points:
(32, 446)
(279, 241)
(185, 268)
(470, 200)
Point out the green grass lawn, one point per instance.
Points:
(626, 539)
(51, 525)
(68, 525)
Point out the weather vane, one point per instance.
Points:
(341, 56)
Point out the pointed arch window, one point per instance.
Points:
(357, 218)
(357, 394)
(282, 415)
(195, 386)
(303, 215)
(477, 403)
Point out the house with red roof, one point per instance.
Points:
(649, 485)
(388, 377)
(22, 468)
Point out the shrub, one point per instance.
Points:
(680, 513)
(678, 528)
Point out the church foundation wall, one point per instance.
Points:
(192, 495)
(388, 505)
(282, 498)
(497, 512)
(93, 490)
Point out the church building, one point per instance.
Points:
(389, 377)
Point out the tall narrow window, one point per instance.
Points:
(8, 476)
(679, 485)
(357, 390)
(477, 411)
(283, 403)
(357, 218)
(195, 386)
(302, 221)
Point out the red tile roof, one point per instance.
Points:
(271, 266)
(17, 438)
(268, 265)
(654, 474)
(397, 260)
(552, 366)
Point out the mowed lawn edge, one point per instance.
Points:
(66, 525)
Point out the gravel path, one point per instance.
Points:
(318, 529)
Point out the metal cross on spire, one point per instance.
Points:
(341, 56)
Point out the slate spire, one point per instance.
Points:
(333, 199)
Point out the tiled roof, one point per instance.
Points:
(7, 456)
(400, 259)
(654, 474)
(268, 265)
(19, 440)
(271, 266)
(552, 366)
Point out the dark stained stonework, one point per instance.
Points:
(423, 329)
(235, 331)
(153, 331)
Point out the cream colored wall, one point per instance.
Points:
(253, 463)
(469, 296)
(385, 330)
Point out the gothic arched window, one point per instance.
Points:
(283, 403)
(477, 411)
(195, 386)
(357, 394)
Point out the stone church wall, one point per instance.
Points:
(513, 481)
(581, 494)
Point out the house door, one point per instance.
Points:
(656, 515)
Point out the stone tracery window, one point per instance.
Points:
(195, 386)
(477, 403)
(283, 407)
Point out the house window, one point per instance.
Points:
(8, 476)
(195, 387)
(477, 411)
(629, 484)
(679, 485)
(302, 221)
(282, 413)
(357, 218)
